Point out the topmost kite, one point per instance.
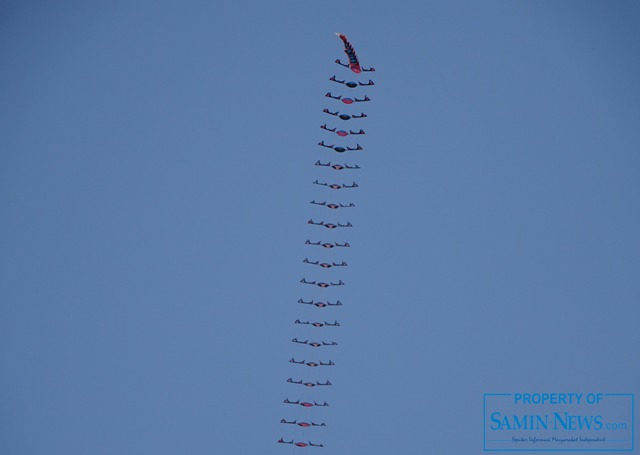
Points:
(354, 64)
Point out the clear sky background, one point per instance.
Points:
(156, 160)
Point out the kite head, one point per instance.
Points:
(354, 65)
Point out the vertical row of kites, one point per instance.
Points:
(315, 337)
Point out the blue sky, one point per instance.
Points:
(156, 161)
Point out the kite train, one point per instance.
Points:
(314, 337)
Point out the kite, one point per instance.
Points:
(304, 424)
(325, 265)
(333, 206)
(347, 100)
(354, 64)
(336, 186)
(329, 225)
(337, 167)
(321, 283)
(341, 133)
(305, 404)
(327, 244)
(321, 304)
(318, 324)
(340, 149)
(351, 84)
(319, 363)
(344, 116)
(302, 428)
(308, 384)
(300, 444)
(315, 344)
